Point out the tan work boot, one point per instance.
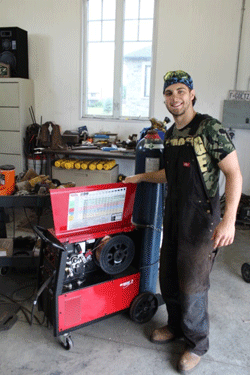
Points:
(56, 137)
(188, 362)
(44, 136)
(162, 335)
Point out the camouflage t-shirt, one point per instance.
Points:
(211, 144)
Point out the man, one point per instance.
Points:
(196, 148)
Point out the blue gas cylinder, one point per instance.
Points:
(149, 207)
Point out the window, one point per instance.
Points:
(147, 74)
(117, 58)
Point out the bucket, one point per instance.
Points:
(7, 179)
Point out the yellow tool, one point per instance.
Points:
(93, 165)
(70, 164)
(58, 162)
(100, 164)
(85, 164)
(62, 164)
(78, 164)
(109, 165)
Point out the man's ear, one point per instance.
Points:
(192, 92)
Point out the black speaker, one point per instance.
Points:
(14, 50)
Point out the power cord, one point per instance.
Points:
(39, 292)
(15, 301)
(24, 310)
(24, 208)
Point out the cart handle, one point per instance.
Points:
(38, 230)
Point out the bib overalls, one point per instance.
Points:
(187, 253)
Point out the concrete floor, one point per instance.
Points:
(119, 346)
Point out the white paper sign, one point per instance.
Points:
(239, 95)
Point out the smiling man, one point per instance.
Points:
(178, 100)
(196, 149)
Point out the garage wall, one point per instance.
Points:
(201, 37)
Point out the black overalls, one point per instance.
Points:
(187, 253)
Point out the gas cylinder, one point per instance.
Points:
(7, 179)
(148, 208)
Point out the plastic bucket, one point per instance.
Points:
(7, 179)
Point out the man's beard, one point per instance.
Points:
(177, 114)
(184, 110)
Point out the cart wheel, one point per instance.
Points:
(117, 254)
(66, 342)
(245, 271)
(143, 307)
(4, 270)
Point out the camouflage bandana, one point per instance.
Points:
(177, 76)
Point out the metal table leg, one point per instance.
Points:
(3, 233)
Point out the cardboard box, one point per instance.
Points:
(6, 247)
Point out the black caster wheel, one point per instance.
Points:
(4, 271)
(66, 342)
(143, 307)
(245, 271)
(116, 254)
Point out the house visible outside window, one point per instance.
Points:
(117, 58)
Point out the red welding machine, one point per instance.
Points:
(90, 262)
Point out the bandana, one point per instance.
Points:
(177, 76)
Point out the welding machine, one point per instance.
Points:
(90, 262)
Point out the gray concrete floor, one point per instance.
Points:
(119, 346)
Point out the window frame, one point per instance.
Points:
(146, 66)
(118, 71)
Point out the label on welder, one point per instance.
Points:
(95, 207)
(153, 146)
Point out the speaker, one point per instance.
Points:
(14, 50)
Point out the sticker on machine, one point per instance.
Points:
(95, 207)
(127, 283)
(152, 164)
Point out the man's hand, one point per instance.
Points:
(157, 177)
(224, 234)
(133, 179)
(225, 231)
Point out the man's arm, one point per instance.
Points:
(157, 177)
(225, 231)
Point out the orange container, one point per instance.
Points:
(7, 179)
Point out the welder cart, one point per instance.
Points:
(90, 262)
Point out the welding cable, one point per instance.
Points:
(24, 310)
(39, 292)
(149, 265)
(27, 217)
(23, 288)
(146, 226)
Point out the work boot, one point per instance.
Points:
(188, 362)
(162, 335)
(56, 137)
(44, 136)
